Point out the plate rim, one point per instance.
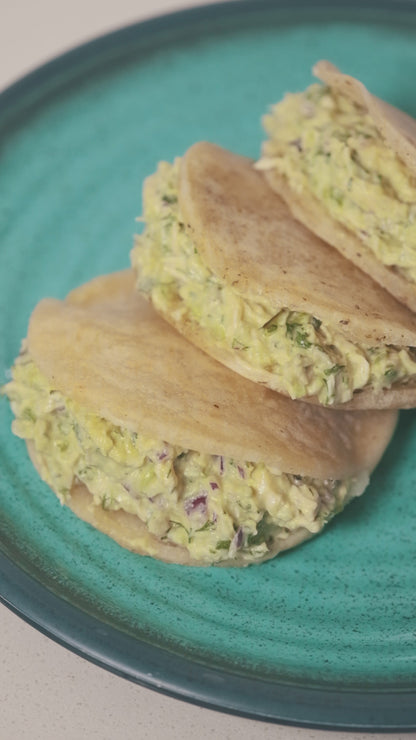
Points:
(155, 25)
(188, 680)
(302, 706)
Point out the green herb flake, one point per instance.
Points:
(291, 327)
(302, 339)
(106, 502)
(223, 544)
(391, 374)
(270, 328)
(28, 414)
(334, 369)
(208, 525)
(293, 330)
(263, 533)
(321, 152)
(365, 135)
(179, 524)
(239, 345)
(169, 199)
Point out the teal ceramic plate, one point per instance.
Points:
(325, 635)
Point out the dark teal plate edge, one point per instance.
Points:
(174, 676)
(25, 90)
(87, 636)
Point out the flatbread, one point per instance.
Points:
(105, 348)
(399, 131)
(247, 236)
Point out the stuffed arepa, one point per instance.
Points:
(222, 259)
(166, 450)
(345, 162)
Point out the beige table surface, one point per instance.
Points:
(46, 691)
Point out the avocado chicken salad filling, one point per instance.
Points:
(305, 354)
(215, 507)
(326, 145)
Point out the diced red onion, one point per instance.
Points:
(162, 455)
(238, 538)
(199, 504)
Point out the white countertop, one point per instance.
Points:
(49, 693)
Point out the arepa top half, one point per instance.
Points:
(223, 259)
(345, 163)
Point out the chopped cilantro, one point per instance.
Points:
(293, 330)
(169, 199)
(365, 135)
(334, 369)
(270, 328)
(263, 533)
(391, 374)
(291, 327)
(208, 525)
(223, 544)
(238, 345)
(179, 524)
(302, 339)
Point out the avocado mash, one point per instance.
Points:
(327, 145)
(212, 505)
(307, 356)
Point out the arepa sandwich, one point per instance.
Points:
(223, 259)
(345, 163)
(167, 451)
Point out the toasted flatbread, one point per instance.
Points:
(398, 132)
(248, 240)
(108, 350)
(105, 349)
